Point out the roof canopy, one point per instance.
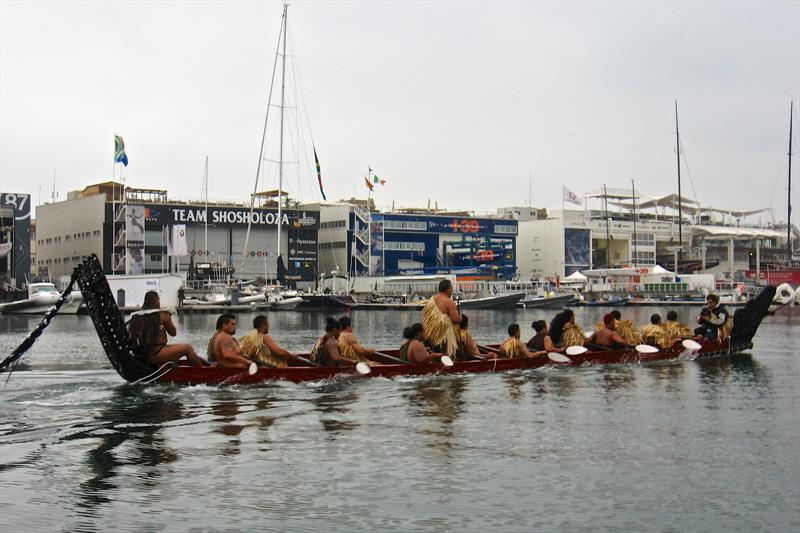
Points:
(736, 232)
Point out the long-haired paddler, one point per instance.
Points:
(148, 330)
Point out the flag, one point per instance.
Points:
(319, 174)
(370, 186)
(569, 196)
(119, 151)
(179, 240)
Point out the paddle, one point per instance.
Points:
(252, 369)
(446, 361)
(558, 357)
(381, 357)
(303, 360)
(689, 344)
(576, 350)
(363, 368)
(490, 349)
(646, 348)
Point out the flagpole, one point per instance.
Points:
(369, 222)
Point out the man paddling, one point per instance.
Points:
(607, 338)
(223, 348)
(440, 320)
(259, 346)
(513, 347)
(326, 350)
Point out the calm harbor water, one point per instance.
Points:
(693, 446)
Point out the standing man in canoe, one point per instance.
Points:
(223, 348)
(259, 346)
(440, 320)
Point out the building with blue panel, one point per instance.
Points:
(361, 243)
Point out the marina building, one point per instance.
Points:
(15, 239)
(711, 240)
(358, 241)
(143, 231)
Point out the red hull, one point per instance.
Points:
(229, 376)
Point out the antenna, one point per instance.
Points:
(54, 194)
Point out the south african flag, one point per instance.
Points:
(119, 151)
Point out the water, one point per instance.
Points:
(703, 446)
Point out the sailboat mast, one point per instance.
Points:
(205, 199)
(789, 188)
(283, 107)
(680, 198)
(633, 197)
(608, 231)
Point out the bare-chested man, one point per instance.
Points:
(513, 347)
(440, 320)
(223, 348)
(326, 350)
(607, 337)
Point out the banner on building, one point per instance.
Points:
(177, 241)
(377, 247)
(134, 239)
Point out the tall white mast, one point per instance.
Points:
(205, 199)
(280, 158)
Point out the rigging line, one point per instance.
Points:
(691, 178)
(261, 151)
(301, 103)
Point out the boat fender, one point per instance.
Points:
(784, 294)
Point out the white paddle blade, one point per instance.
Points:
(576, 350)
(446, 361)
(363, 368)
(646, 348)
(252, 369)
(558, 357)
(689, 344)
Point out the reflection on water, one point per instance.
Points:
(333, 400)
(145, 447)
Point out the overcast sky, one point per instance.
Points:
(453, 101)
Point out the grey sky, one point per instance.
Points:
(450, 101)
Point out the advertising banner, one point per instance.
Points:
(134, 239)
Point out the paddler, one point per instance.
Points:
(260, 347)
(564, 331)
(148, 330)
(713, 320)
(676, 330)
(542, 341)
(223, 348)
(440, 320)
(625, 328)
(654, 333)
(348, 343)
(413, 350)
(513, 347)
(466, 344)
(607, 338)
(326, 350)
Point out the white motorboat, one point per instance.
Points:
(41, 297)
